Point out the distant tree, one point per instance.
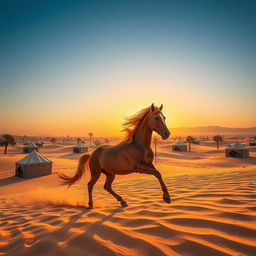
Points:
(53, 140)
(155, 141)
(25, 138)
(217, 139)
(189, 139)
(106, 140)
(90, 135)
(98, 142)
(7, 140)
(79, 140)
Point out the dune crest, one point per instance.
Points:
(209, 215)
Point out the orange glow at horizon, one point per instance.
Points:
(105, 115)
(73, 72)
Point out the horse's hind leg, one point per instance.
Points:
(108, 186)
(95, 174)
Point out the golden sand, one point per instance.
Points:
(213, 209)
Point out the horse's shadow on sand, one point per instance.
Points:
(85, 240)
(97, 237)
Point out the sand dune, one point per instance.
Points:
(212, 212)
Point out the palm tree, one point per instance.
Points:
(98, 142)
(6, 140)
(189, 139)
(217, 139)
(90, 135)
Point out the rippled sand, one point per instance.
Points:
(212, 213)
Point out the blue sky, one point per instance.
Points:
(89, 54)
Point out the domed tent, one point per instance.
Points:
(39, 144)
(237, 150)
(33, 165)
(180, 146)
(252, 143)
(29, 147)
(196, 141)
(80, 148)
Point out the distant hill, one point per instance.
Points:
(205, 130)
(181, 131)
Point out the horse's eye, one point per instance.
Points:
(157, 118)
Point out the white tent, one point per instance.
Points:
(237, 150)
(179, 146)
(39, 143)
(237, 146)
(29, 147)
(33, 165)
(195, 141)
(80, 148)
(252, 143)
(80, 145)
(180, 143)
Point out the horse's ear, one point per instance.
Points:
(152, 107)
(161, 107)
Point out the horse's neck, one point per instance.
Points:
(143, 134)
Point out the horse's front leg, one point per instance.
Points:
(141, 168)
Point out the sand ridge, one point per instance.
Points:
(213, 209)
(213, 214)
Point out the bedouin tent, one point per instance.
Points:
(196, 141)
(33, 165)
(180, 146)
(30, 147)
(237, 150)
(39, 144)
(80, 148)
(252, 143)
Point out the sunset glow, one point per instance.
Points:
(178, 77)
(62, 76)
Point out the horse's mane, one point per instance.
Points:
(132, 123)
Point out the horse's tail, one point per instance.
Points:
(79, 173)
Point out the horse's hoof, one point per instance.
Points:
(167, 198)
(124, 204)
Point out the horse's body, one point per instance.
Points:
(131, 155)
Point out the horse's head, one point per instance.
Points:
(157, 122)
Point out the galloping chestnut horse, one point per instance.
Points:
(131, 155)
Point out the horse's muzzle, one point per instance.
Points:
(165, 134)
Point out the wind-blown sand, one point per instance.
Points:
(213, 209)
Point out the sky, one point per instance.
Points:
(74, 67)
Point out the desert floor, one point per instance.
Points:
(213, 209)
